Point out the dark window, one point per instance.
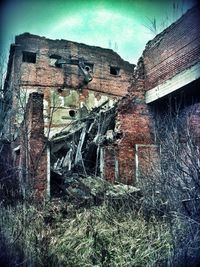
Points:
(114, 70)
(55, 56)
(29, 57)
(53, 60)
(72, 113)
(60, 90)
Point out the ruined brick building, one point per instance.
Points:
(70, 107)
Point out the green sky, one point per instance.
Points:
(119, 25)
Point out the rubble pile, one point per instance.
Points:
(76, 160)
(91, 190)
(77, 151)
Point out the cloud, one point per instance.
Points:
(101, 27)
(67, 23)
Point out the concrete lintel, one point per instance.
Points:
(185, 77)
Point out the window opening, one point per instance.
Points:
(29, 57)
(114, 70)
(53, 60)
(72, 113)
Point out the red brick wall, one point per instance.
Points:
(174, 50)
(193, 122)
(109, 163)
(135, 125)
(70, 76)
(33, 154)
(169, 53)
(57, 82)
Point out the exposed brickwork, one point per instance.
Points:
(43, 73)
(63, 86)
(148, 161)
(134, 124)
(109, 163)
(32, 69)
(192, 120)
(33, 155)
(174, 50)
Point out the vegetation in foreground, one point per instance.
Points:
(98, 236)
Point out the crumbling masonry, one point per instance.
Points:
(72, 108)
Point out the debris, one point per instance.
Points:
(76, 161)
(78, 149)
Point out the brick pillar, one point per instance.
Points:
(34, 148)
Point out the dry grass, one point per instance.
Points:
(98, 237)
(95, 237)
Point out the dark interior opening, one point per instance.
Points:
(55, 56)
(53, 60)
(29, 57)
(87, 68)
(114, 70)
(72, 113)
